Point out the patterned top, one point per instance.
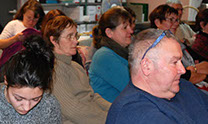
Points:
(200, 45)
(47, 111)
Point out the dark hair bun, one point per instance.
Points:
(35, 46)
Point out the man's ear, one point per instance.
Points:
(157, 22)
(146, 66)
(109, 32)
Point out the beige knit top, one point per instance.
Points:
(79, 104)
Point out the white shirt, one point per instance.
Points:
(12, 28)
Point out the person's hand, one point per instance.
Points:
(202, 67)
(195, 77)
(19, 37)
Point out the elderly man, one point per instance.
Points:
(184, 31)
(156, 94)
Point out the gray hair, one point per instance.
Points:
(140, 44)
(173, 2)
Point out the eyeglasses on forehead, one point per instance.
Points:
(166, 33)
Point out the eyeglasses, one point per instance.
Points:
(31, 19)
(172, 20)
(71, 37)
(167, 33)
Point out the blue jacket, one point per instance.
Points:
(134, 106)
(109, 73)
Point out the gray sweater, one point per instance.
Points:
(47, 111)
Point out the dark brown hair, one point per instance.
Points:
(31, 67)
(202, 16)
(35, 7)
(160, 13)
(112, 18)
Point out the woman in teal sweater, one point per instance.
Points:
(109, 72)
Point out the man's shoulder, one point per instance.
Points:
(132, 99)
(132, 108)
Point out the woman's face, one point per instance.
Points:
(23, 99)
(28, 19)
(122, 34)
(67, 42)
(168, 22)
(175, 24)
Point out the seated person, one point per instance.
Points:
(184, 31)
(79, 104)
(156, 94)
(30, 15)
(200, 44)
(109, 71)
(26, 96)
(50, 15)
(165, 17)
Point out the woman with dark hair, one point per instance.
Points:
(79, 103)
(109, 72)
(29, 16)
(165, 17)
(200, 44)
(25, 97)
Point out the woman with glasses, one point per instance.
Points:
(184, 31)
(79, 103)
(50, 15)
(165, 17)
(30, 15)
(25, 97)
(109, 71)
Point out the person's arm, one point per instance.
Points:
(81, 112)
(78, 102)
(9, 35)
(195, 77)
(202, 67)
(4, 43)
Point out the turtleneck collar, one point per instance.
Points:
(113, 45)
(64, 58)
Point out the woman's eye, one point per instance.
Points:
(18, 99)
(36, 99)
